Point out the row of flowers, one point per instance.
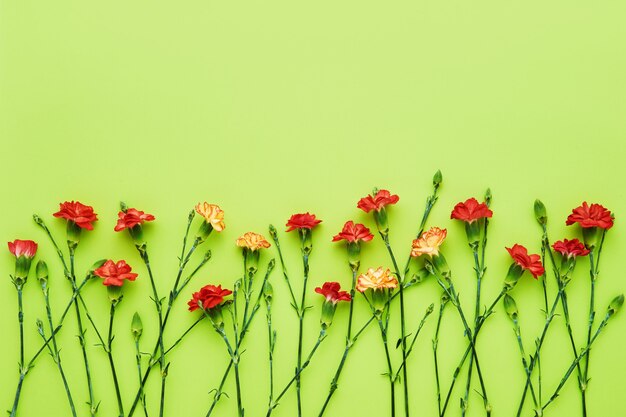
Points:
(380, 288)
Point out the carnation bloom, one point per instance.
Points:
(376, 279)
(131, 218)
(210, 296)
(531, 263)
(331, 290)
(26, 248)
(252, 241)
(429, 242)
(377, 202)
(212, 214)
(570, 248)
(114, 273)
(594, 215)
(78, 213)
(302, 221)
(352, 233)
(470, 211)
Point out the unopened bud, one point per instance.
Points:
(514, 274)
(268, 291)
(42, 272)
(616, 304)
(437, 178)
(488, 197)
(510, 307)
(136, 327)
(540, 212)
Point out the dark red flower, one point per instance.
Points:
(210, 296)
(531, 263)
(77, 212)
(352, 232)
(594, 215)
(302, 221)
(378, 202)
(570, 248)
(131, 218)
(26, 248)
(115, 273)
(331, 290)
(470, 211)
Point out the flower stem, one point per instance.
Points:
(457, 370)
(183, 260)
(435, 341)
(402, 366)
(20, 319)
(385, 237)
(520, 344)
(143, 252)
(593, 274)
(139, 372)
(448, 287)
(581, 383)
(320, 338)
(24, 370)
(534, 358)
(301, 312)
(392, 391)
(244, 329)
(349, 343)
(54, 350)
(577, 360)
(271, 338)
(109, 351)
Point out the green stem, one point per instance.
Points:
(392, 393)
(442, 306)
(143, 252)
(405, 386)
(24, 370)
(219, 391)
(139, 372)
(577, 361)
(533, 360)
(520, 344)
(320, 338)
(271, 337)
(450, 291)
(428, 312)
(54, 351)
(305, 263)
(116, 384)
(180, 339)
(20, 319)
(581, 383)
(478, 268)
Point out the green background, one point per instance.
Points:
(271, 108)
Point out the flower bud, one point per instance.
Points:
(616, 304)
(136, 327)
(514, 274)
(42, 272)
(437, 178)
(430, 309)
(510, 307)
(273, 233)
(420, 275)
(123, 206)
(540, 212)
(268, 291)
(488, 197)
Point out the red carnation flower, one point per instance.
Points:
(378, 202)
(115, 273)
(77, 212)
(26, 248)
(131, 218)
(352, 232)
(531, 263)
(594, 215)
(331, 290)
(302, 221)
(470, 211)
(570, 248)
(210, 296)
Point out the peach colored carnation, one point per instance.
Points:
(252, 241)
(213, 214)
(376, 279)
(429, 242)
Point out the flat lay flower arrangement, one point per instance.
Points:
(230, 309)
